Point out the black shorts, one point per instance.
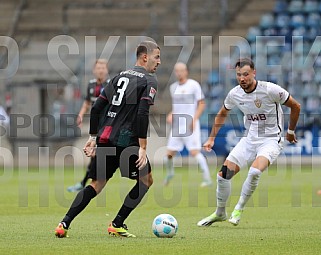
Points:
(109, 157)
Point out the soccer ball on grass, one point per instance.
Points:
(164, 225)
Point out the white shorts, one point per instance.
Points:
(246, 151)
(192, 142)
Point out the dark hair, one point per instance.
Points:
(101, 61)
(245, 62)
(146, 47)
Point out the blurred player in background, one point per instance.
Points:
(4, 124)
(122, 138)
(188, 104)
(4, 118)
(260, 102)
(94, 89)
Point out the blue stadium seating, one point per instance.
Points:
(280, 6)
(310, 6)
(298, 22)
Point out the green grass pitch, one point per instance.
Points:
(282, 218)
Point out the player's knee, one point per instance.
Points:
(169, 156)
(254, 173)
(98, 185)
(150, 180)
(147, 180)
(194, 153)
(226, 173)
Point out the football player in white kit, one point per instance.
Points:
(260, 102)
(188, 104)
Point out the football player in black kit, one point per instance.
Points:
(95, 87)
(122, 139)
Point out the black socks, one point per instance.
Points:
(80, 202)
(131, 201)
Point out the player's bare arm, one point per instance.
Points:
(218, 123)
(199, 110)
(169, 117)
(142, 158)
(84, 108)
(294, 117)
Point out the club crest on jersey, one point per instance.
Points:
(152, 92)
(258, 103)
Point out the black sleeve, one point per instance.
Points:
(87, 98)
(143, 118)
(150, 90)
(95, 113)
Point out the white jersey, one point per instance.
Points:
(4, 118)
(263, 115)
(185, 99)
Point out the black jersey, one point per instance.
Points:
(94, 89)
(124, 95)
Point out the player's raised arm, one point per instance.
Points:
(294, 117)
(217, 124)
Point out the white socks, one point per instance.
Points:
(169, 165)
(201, 161)
(248, 187)
(223, 192)
(203, 165)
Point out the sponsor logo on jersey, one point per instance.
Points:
(152, 92)
(258, 103)
(281, 95)
(256, 117)
(111, 114)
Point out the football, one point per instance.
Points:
(165, 225)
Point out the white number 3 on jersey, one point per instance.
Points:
(122, 85)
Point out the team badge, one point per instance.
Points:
(258, 103)
(152, 92)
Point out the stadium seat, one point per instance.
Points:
(270, 31)
(299, 31)
(310, 6)
(282, 20)
(253, 48)
(217, 91)
(213, 77)
(295, 6)
(267, 21)
(252, 33)
(318, 65)
(319, 7)
(299, 49)
(317, 77)
(287, 32)
(312, 33)
(274, 46)
(280, 6)
(297, 20)
(287, 47)
(312, 104)
(313, 20)
(273, 60)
